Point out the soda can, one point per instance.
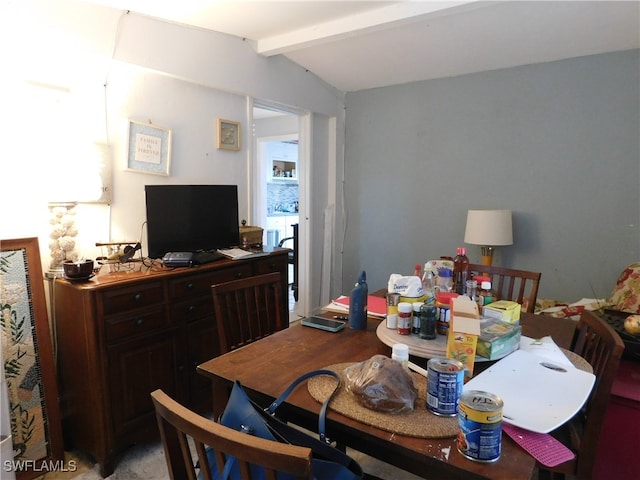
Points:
(445, 377)
(480, 426)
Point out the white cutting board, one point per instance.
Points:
(537, 394)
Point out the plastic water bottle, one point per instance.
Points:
(358, 304)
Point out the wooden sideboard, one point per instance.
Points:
(123, 334)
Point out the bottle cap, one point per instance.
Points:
(400, 349)
(445, 297)
(404, 307)
(416, 306)
(486, 285)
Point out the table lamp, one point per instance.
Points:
(489, 229)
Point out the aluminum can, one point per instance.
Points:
(393, 299)
(444, 386)
(480, 426)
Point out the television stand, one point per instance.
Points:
(122, 335)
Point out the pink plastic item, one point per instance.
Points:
(542, 446)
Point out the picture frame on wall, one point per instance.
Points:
(149, 148)
(228, 135)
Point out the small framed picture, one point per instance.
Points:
(228, 135)
(149, 148)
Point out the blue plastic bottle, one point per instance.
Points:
(358, 304)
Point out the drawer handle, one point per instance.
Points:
(191, 308)
(239, 275)
(137, 297)
(139, 322)
(190, 286)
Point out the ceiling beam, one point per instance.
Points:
(372, 20)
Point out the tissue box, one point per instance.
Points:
(503, 310)
(463, 332)
(497, 338)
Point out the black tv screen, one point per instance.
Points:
(191, 218)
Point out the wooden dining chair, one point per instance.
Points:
(178, 426)
(598, 343)
(516, 285)
(247, 310)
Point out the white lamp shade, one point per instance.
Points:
(489, 228)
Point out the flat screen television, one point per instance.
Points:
(191, 218)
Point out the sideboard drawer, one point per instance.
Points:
(201, 284)
(123, 299)
(127, 326)
(271, 264)
(193, 308)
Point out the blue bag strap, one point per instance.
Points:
(271, 409)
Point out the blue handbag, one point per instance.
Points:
(243, 414)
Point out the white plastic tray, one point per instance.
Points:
(538, 395)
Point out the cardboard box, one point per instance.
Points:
(497, 338)
(503, 310)
(253, 235)
(464, 330)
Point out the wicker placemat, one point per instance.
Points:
(420, 423)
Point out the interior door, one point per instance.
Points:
(275, 206)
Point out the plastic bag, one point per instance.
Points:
(406, 286)
(381, 384)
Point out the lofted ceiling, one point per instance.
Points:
(356, 45)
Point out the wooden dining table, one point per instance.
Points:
(266, 367)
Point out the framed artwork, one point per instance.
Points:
(149, 148)
(27, 360)
(228, 135)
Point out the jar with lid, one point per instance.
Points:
(404, 318)
(471, 289)
(445, 280)
(400, 353)
(485, 295)
(428, 315)
(415, 329)
(443, 302)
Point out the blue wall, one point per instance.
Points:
(557, 143)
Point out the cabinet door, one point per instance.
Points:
(138, 367)
(202, 345)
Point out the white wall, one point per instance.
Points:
(175, 77)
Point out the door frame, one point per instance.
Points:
(258, 185)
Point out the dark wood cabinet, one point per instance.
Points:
(124, 334)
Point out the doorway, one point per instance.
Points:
(278, 185)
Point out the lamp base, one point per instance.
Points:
(487, 256)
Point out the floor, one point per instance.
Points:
(294, 312)
(147, 462)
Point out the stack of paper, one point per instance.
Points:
(376, 306)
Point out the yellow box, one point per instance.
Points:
(504, 310)
(464, 330)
